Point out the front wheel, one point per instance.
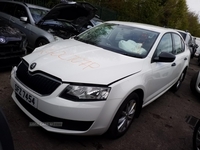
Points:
(196, 137)
(124, 116)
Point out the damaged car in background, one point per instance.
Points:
(68, 19)
(12, 45)
(42, 25)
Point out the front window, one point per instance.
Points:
(165, 45)
(37, 14)
(127, 40)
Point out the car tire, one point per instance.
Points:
(178, 83)
(194, 84)
(6, 141)
(41, 42)
(196, 136)
(124, 116)
(198, 60)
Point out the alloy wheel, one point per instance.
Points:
(127, 116)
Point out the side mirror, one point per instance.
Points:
(23, 19)
(89, 26)
(164, 57)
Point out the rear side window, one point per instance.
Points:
(178, 44)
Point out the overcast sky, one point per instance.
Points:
(194, 6)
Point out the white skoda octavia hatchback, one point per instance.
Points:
(98, 82)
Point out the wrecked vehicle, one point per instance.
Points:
(62, 21)
(98, 81)
(12, 45)
(62, 25)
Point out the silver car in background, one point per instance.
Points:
(25, 17)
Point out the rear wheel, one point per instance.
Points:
(177, 85)
(196, 137)
(124, 116)
(41, 42)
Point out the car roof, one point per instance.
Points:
(144, 26)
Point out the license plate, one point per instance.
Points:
(26, 96)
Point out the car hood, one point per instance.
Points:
(74, 61)
(8, 31)
(77, 13)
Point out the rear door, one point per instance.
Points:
(181, 55)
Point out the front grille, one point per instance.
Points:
(65, 124)
(10, 48)
(38, 81)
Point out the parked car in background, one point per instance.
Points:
(195, 88)
(43, 26)
(25, 17)
(98, 81)
(198, 48)
(68, 19)
(12, 45)
(194, 45)
(195, 83)
(189, 41)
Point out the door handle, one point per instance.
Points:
(174, 64)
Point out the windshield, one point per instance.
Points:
(123, 39)
(37, 14)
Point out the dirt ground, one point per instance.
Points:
(165, 124)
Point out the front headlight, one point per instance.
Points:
(85, 93)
